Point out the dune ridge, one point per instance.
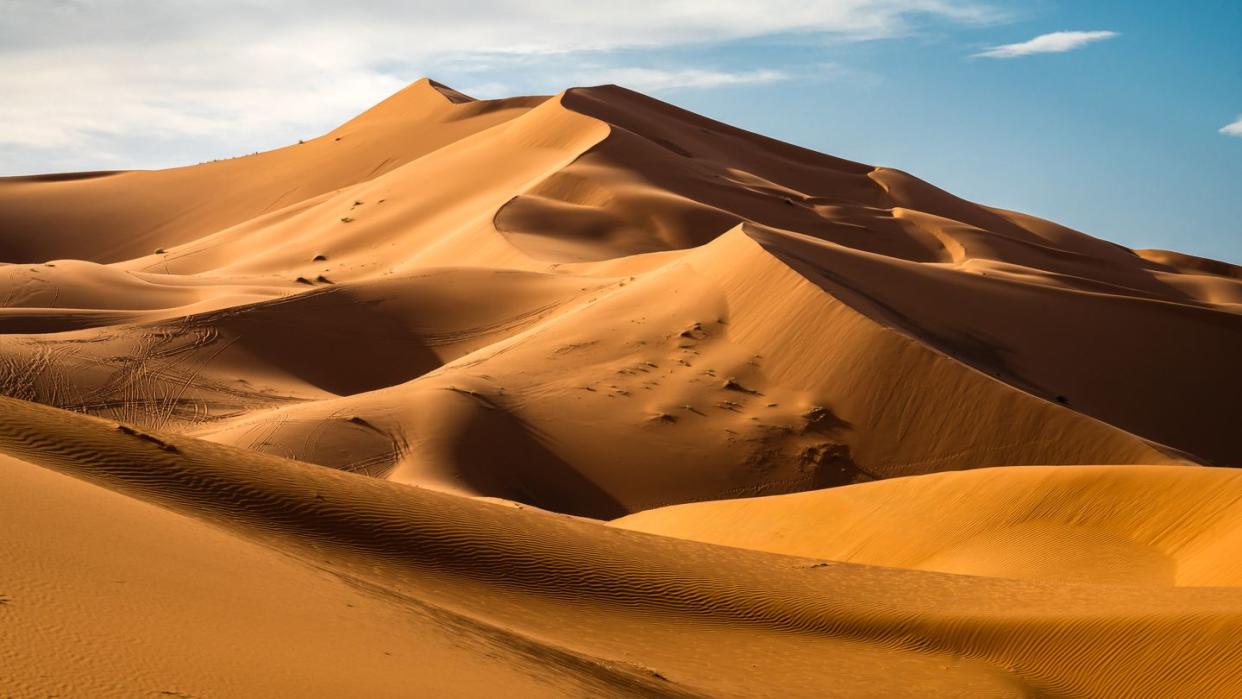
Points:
(555, 392)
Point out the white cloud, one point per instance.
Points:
(165, 82)
(650, 80)
(1056, 42)
(1234, 129)
(654, 80)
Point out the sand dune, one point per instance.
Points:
(639, 604)
(1132, 525)
(835, 412)
(111, 217)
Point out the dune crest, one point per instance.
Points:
(552, 392)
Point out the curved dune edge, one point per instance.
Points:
(1130, 525)
(527, 571)
(514, 315)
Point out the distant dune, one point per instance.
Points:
(348, 418)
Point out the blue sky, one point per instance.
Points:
(1117, 133)
(1118, 138)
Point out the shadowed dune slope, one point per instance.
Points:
(515, 578)
(182, 372)
(1123, 358)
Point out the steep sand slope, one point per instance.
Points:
(1134, 525)
(597, 606)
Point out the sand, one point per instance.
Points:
(588, 395)
(1131, 525)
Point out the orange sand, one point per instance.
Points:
(354, 408)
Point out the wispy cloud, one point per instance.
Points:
(652, 80)
(1056, 42)
(159, 83)
(655, 80)
(1234, 129)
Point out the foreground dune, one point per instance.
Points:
(344, 418)
(244, 548)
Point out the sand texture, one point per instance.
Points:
(586, 395)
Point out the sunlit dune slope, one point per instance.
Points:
(114, 216)
(1131, 525)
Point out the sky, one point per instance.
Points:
(1120, 118)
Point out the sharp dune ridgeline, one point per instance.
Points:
(587, 395)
